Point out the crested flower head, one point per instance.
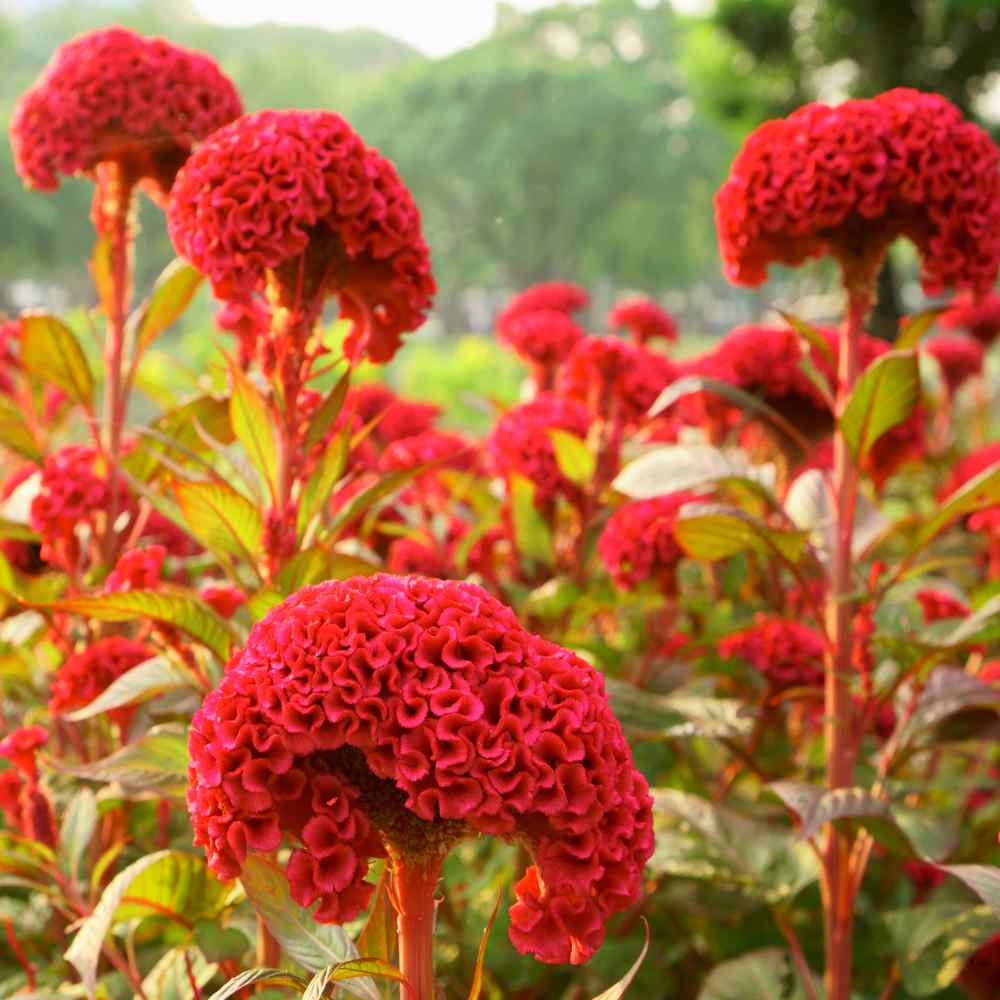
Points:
(846, 181)
(644, 319)
(137, 569)
(113, 96)
(21, 747)
(402, 714)
(297, 201)
(557, 296)
(787, 653)
(543, 337)
(960, 358)
(638, 542)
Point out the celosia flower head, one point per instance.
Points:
(138, 569)
(543, 337)
(223, 599)
(411, 712)
(978, 316)
(787, 653)
(960, 358)
(638, 542)
(644, 318)
(114, 96)
(557, 296)
(848, 180)
(21, 748)
(297, 198)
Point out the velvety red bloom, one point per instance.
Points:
(939, 604)
(27, 808)
(438, 448)
(544, 338)
(558, 296)
(520, 443)
(979, 317)
(960, 358)
(787, 653)
(223, 599)
(114, 96)
(21, 748)
(638, 543)
(415, 712)
(297, 195)
(644, 318)
(85, 675)
(614, 378)
(848, 180)
(139, 569)
(396, 416)
(411, 555)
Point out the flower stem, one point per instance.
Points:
(413, 884)
(838, 895)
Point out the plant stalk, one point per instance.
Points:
(413, 884)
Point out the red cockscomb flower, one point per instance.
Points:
(960, 358)
(520, 443)
(638, 542)
(396, 416)
(413, 555)
(139, 569)
(787, 653)
(85, 675)
(223, 599)
(21, 748)
(409, 713)
(978, 317)
(297, 200)
(114, 97)
(848, 180)
(616, 379)
(559, 296)
(644, 319)
(939, 604)
(544, 338)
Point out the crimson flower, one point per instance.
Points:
(26, 806)
(960, 358)
(644, 319)
(295, 202)
(979, 317)
(416, 555)
(402, 714)
(557, 296)
(115, 97)
(987, 519)
(638, 542)
(544, 338)
(21, 747)
(846, 181)
(138, 569)
(787, 653)
(223, 599)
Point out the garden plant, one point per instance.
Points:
(684, 677)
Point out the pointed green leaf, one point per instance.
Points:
(981, 491)
(884, 396)
(253, 425)
(78, 826)
(326, 414)
(276, 977)
(15, 433)
(171, 295)
(575, 460)
(673, 468)
(711, 533)
(766, 974)
(220, 518)
(370, 496)
(51, 352)
(914, 327)
(178, 886)
(983, 880)
(325, 476)
(808, 332)
(147, 680)
(531, 533)
(354, 969)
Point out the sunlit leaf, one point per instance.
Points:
(275, 977)
(51, 352)
(171, 295)
(884, 396)
(711, 532)
(354, 969)
(914, 327)
(980, 491)
(328, 472)
(766, 974)
(531, 533)
(809, 332)
(77, 830)
(327, 412)
(673, 468)
(253, 425)
(144, 681)
(15, 433)
(220, 518)
(983, 880)
(575, 460)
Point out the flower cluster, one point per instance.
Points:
(223, 599)
(787, 653)
(644, 319)
(414, 712)
(26, 806)
(848, 180)
(543, 337)
(138, 569)
(298, 197)
(115, 96)
(520, 443)
(638, 542)
(556, 296)
(960, 358)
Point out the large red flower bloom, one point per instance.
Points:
(414, 712)
(297, 198)
(848, 180)
(638, 542)
(544, 337)
(787, 653)
(644, 319)
(558, 296)
(114, 96)
(520, 443)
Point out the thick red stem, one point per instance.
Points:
(413, 884)
(838, 884)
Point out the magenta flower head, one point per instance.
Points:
(544, 338)
(644, 319)
(557, 296)
(787, 653)
(846, 181)
(388, 715)
(114, 97)
(296, 203)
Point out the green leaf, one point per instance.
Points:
(156, 761)
(253, 425)
(883, 397)
(711, 532)
(617, 991)
(171, 295)
(370, 496)
(575, 460)
(326, 475)
(704, 841)
(946, 692)
(932, 942)
(277, 977)
(177, 886)
(808, 332)
(981, 491)
(326, 414)
(146, 680)
(309, 943)
(766, 974)
(219, 943)
(220, 518)
(344, 971)
(171, 979)
(677, 716)
(77, 830)
(915, 326)
(531, 533)
(477, 973)
(15, 433)
(983, 880)
(684, 466)
(51, 352)
(171, 606)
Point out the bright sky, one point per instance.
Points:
(435, 27)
